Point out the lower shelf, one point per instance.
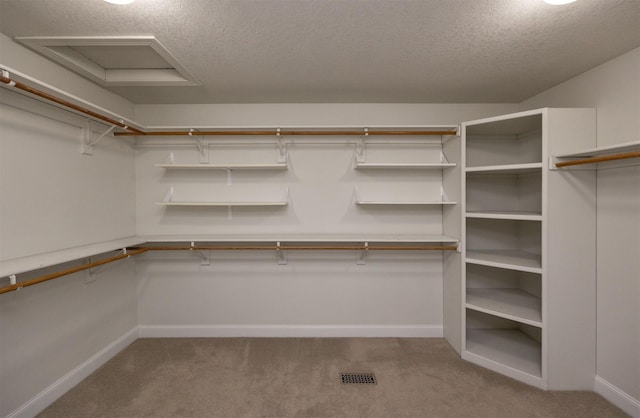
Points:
(509, 347)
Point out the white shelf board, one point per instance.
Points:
(598, 151)
(508, 347)
(514, 304)
(37, 261)
(418, 166)
(509, 215)
(391, 239)
(235, 203)
(401, 202)
(274, 166)
(506, 168)
(506, 259)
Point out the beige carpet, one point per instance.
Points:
(245, 377)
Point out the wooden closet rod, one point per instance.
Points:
(72, 270)
(288, 133)
(591, 160)
(129, 131)
(307, 247)
(70, 105)
(140, 250)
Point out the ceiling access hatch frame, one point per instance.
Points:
(81, 54)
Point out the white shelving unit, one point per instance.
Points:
(528, 237)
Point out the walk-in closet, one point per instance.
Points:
(319, 208)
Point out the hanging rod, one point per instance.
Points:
(72, 270)
(603, 158)
(306, 247)
(139, 250)
(47, 96)
(283, 132)
(129, 131)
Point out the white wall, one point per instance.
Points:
(315, 293)
(614, 90)
(54, 198)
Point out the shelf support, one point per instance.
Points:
(86, 147)
(282, 255)
(362, 255)
(361, 147)
(202, 147)
(282, 148)
(205, 256)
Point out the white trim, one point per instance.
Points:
(58, 388)
(617, 396)
(192, 331)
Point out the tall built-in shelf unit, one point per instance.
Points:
(528, 275)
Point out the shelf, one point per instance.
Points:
(509, 347)
(417, 166)
(274, 166)
(389, 239)
(508, 215)
(406, 203)
(37, 261)
(507, 259)
(514, 304)
(613, 156)
(506, 168)
(236, 203)
(599, 151)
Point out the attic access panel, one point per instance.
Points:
(114, 60)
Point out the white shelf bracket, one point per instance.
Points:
(443, 194)
(229, 212)
(86, 147)
(282, 255)
(361, 147)
(168, 197)
(12, 278)
(229, 181)
(282, 148)
(202, 146)
(7, 74)
(362, 255)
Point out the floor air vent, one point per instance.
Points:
(359, 378)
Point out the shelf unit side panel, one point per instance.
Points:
(452, 261)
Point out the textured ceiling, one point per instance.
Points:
(266, 51)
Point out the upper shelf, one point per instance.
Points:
(284, 238)
(37, 261)
(417, 166)
(506, 168)
(271, 166)
(610, 156)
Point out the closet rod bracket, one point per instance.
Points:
(202, 146)
(361, 147)
(88, 142)
(362, 255)
(282, 147)
(282, 255)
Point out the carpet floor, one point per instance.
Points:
(300, 377)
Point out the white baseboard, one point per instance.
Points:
(194, 331)
(45, 398)
(618, 397)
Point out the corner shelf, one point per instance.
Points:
(514, 304)
(507, 347)
(507, 215)
(506, 168)
(506, 259)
